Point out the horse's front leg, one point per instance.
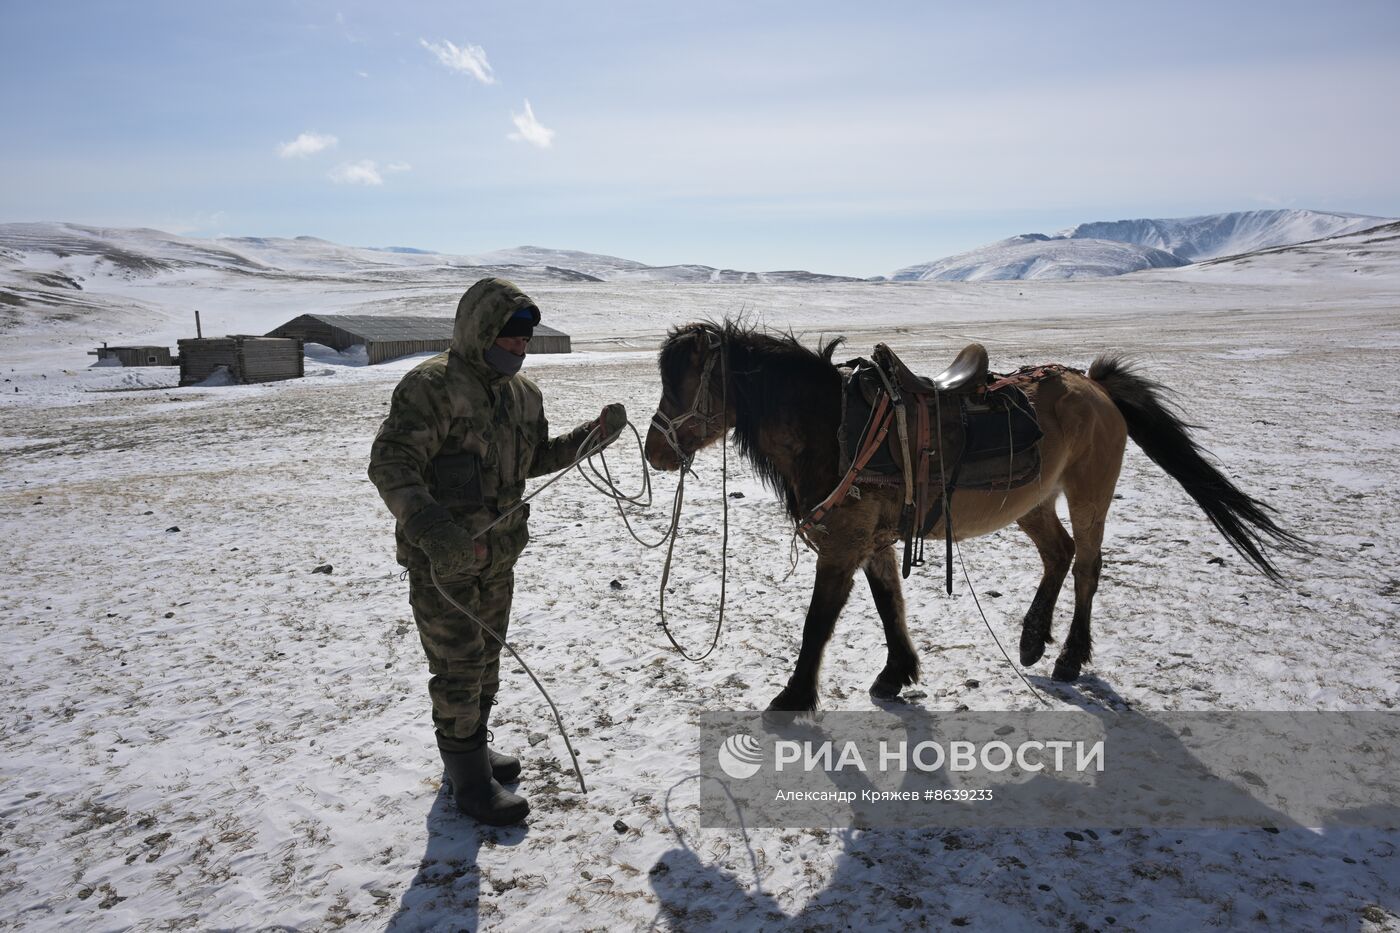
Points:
(901, 663)
(829, 594)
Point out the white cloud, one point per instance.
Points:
(364, 172)
(469, 59)
(530, 130)
(345, 29)
(306, 144)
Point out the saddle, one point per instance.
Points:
(967, 372)
(965, 428)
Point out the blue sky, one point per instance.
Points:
(844, 138)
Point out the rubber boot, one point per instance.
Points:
(504, 768)
(476, 793)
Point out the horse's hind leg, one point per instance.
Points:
(1089, 495)
(1056, 548)
(829, 594)
(901, 663)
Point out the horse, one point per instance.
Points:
(782, 401)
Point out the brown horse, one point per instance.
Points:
(783, 402)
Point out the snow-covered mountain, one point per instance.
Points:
(73, 250)
(1213, 235)
(1108, 248)
(1037, 256)
(1348, 257)
(116, 283)
(77, 284)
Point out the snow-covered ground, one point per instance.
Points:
(199, 731)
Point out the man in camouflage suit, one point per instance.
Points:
(463, 434)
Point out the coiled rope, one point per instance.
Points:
(593, 446)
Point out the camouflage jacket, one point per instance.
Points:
(461, 439)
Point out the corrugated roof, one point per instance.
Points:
(379, 327)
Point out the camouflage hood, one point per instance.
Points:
(481, 314)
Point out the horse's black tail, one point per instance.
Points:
(1166, 439)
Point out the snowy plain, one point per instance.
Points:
(198, 731)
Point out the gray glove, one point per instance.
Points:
(612, 421)
(453, 551)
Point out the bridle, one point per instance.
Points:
(701, 406)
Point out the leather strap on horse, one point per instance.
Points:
(892, 407)
(1031, 374)
(923, 444)
(875, 435)
(944, 481)
(901, 416)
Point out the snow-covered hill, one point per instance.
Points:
(1036, 256)
(27, 249)
(1212, 235)
(71, 286)
(1117, 247)
(1371, 253)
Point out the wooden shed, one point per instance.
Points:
(386, 338)
(134, 356)
(246, 358)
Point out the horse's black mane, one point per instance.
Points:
(777, 379)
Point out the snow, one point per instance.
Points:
(1109, 248)
(219, 377)
(1214, 235)
(356, 355)
(199, 732)
(27, 249)
(1370, 253)
(1036, 256)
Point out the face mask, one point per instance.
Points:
(503, 361)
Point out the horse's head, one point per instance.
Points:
(694, 410)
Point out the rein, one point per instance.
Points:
(668, 427)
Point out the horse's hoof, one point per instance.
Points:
(1066, 672)
(884, 690)
(776, 720)
(1032, 650)
(787, 702)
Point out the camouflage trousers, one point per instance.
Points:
(464, 661)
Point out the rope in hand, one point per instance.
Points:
(590, 447)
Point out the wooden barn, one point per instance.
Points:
(246, 358)
(386, 338)
(134, 356)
